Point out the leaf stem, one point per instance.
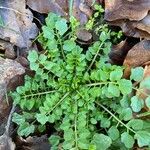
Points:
(115, 117)
(61, 46)
(93, 60)
(59, 102)
(143, 114)
(40, 93)
(141, 91)
(75, 130)
(100, 83)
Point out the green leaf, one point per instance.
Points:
(99, 8)
(26, 129)
(136, 124)
(103, 36)
(136, 104)
(20, 90)
(92, 147)
(48, 33)
(93, 120)
(147, 101)
(125, 86)
(145, 83)
(127, 139)
(124, 102)
(104, 76)
(126, 114)
(34, 66)
(30, 103)
(42, 118)
(143, 138)
(51, 19)
(89, 55)
(33, 56)
(52, 47)
(51, 118)
(61, 26)
(83, 143)
(69, 135)
(105, 123)
(137, 74)
(18, 119)
(69, 45)
(54, 140)
(101, 141)
(80, 103)
(41, 128)
(116, 75)
(113, 132)
(42, 58)
(48, 65)
(114, 90)
(67, 145)
(84, 133)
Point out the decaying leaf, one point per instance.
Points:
(7, 49)
(119, 51)
(45, 6)
(78, 8)
(123, 9)
(131, 16)
(84, 36)
(137, 56)
(33, 143)
(18, 27)
(6, 143)
(10, 74)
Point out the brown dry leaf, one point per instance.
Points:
(33, 143)
(123, 9)
(18, 27)
(132, 17)
(45, 6)
(143, 27)
(84, 36)
(6, 143)
(81, 10)
(7, 48)
(140, 29)
(119, 51)
(137, 56)
(10, 74)
(135, 29)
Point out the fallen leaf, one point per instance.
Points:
(45, 6)
(33, 143)
(133, 20)
(10, 74)
(18, 27)
(119, 51)
(6, 143)
(8, 49)
(123, 9)
(137, 56)
(84, 36)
